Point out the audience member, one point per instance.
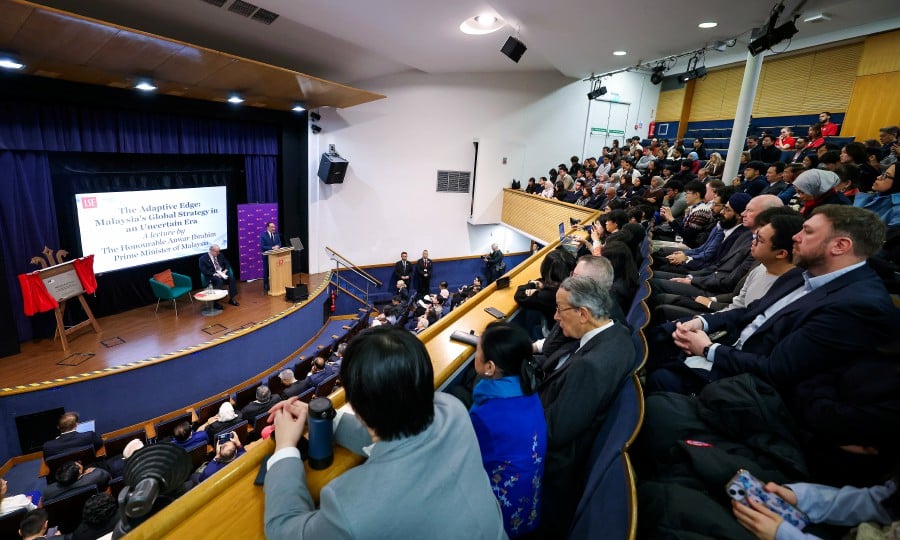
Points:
(826, 126)
(697, 215)
(424, 470)
(674, 198)
(715, 165)
(754, 180)
(293, 387)
(727, 209)
(580, 381)
(184, 437)
(884, 200)
(226, 452)
(98, 518)
(855, 154)
(15, 503)
(786, 140)
(34, 525)
(509, 423)
(116, 464)
(788, 176)
(537, 298)
(319, 371)
(769, 153)
(817, 188)
(72, 475)
(222, 422)
(263, 402)
(493, 263)
(70, 438)
(775, 178)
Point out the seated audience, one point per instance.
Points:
(816, 188)
(116, 465)
(263, 402)
(69, 438)
(72, 475)
(790, 174)
(467, 291)
(184, 437)
(697, 216)
(34, 525)
(625, 283)
(775, 178)
(98, 518)
(579, 383)
(222, 422)
(884, 200)
(754, 181)
(424, 469)
(293, 387)
(226, 452)
(319, 371)
(786, 140)
(509, 424)
(14, 503)
(537, 298)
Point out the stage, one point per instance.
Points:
(141, 334)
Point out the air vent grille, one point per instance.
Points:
(264, 16)
(453, 181)
(242, 8)
(217, 3)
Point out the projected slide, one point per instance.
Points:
(131, 228)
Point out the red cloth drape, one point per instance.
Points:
(34, 294)
(84, 267)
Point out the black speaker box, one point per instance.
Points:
(296, 294)
(514, 49)
(332, 169)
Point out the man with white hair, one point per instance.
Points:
(215, 268)
(580, 382)
(493, 262)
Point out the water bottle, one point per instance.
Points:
(321, 433)
(209, 286)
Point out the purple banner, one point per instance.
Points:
(252, 219)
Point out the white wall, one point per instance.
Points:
(388, 202)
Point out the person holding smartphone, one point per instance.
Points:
(228, 448)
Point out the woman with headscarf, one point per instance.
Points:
(816, 187)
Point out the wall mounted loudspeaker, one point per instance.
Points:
(296, 294)
(332, 169)
(514, 49)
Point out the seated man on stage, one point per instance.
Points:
(268, 240)
(215, 267)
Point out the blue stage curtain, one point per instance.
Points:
(27, 221)
(67, 128)
(262, 179)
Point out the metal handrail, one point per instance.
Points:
(340, 259)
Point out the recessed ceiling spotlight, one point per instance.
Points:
(484, 23)
(708, 24)
(235, 99)
(298, 108)
(619, 53)
(145, 85)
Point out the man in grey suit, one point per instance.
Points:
(423, 477)
(580, 382)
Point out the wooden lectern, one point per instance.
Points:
(280, 273)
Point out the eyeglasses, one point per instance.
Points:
(885, 176)
(757, 239)
(560, 310)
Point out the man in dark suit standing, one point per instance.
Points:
(70, 439)
(403, 271)
(580, 381)
(423, 275)
(214, 266)
(268, 240)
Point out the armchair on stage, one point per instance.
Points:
(181, 284)
(280, 274)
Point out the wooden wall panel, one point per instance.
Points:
(874, 105)
(669, 106)
(881, 54)
(806, 83)
(538, 217)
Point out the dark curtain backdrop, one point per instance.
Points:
(30, 132)
(27, 224)
(126, 289)
(262, 173)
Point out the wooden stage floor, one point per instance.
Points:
(141, 333)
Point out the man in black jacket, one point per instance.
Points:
(69, 438)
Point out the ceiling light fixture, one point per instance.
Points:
(659, 73)
(817, 18)
(769, 35)
(693, 72)
(597, 89)
(145, 85)
(708, 24)
(10, 61)
(235, 99)
(619, 53)
(484, 23)
(298, 108)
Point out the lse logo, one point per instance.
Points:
(89, 202)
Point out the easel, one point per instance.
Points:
(63, 284)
